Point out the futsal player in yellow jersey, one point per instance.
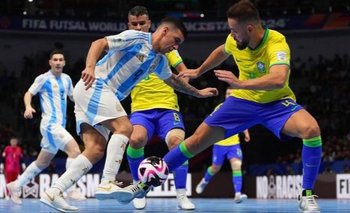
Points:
(155, 111)
(261, 95)
(230, 149)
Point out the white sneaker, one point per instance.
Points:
(107, 190)
(127, 194)
(240, 197)
(75, 194)
(308, 204)
(139, 203)
(201, 186)
(14, 192)
(183, 202)
(57, 202)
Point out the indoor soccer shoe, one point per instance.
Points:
(307, 203)
(14, 192)
(139, 203)
(240, 197)
(183, 202)
(127, 194)
(201, 186)
(57, 202)
(107, 190)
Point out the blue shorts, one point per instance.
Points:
(158, 121)
(236, 115)
(220, 152)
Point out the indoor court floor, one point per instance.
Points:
(169, 205)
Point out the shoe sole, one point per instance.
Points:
(122, 196)
(45, 200)
(47, 203)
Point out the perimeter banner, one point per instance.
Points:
(42, 24)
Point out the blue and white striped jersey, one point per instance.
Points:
(130, 58)
(53, 91)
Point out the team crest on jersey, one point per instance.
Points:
(141, 57)
(261, 66)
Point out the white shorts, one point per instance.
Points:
(95, 105)
(55, 137)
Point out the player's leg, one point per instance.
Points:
(301, 124)
(218, 157)
(173, 138)
(43, 161)
(95, 144)
(121, 129)
(237, 179)
(72, 150)
(135, 154)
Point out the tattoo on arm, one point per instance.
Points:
(181, 86)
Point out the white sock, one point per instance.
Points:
(68, 163)
(31, 171)
(115, 151)
(80, 166)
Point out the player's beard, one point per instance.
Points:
(242, 44)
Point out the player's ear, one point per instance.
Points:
(250, 28)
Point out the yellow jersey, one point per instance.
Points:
(153, 93)
(272, 50)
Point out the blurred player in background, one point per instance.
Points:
(230, 149)
(13, 161)
(53, 88)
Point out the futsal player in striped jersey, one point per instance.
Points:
(53, 88)
(130, 56)
(261, 95)
(230, 149)
(155, 111)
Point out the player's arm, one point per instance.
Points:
(95, 51)
(275, 79)
(182, 86)
(214, 59)
(29, 110)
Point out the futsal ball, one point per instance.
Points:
(153, 171)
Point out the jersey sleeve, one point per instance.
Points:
(174, 58)
(126, 38)
(279, 53)
(70, 86)
(37, 85)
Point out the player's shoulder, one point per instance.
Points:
(44, 76)
(276, 36)
(134, 34)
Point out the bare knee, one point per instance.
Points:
(174, 137)
(236, 164)
(311, 131)
(125, 129)
(137, 141)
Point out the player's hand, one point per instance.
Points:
(207, 92)
(189, 73)
(28, 113)
(228, 77)
(88, 76)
